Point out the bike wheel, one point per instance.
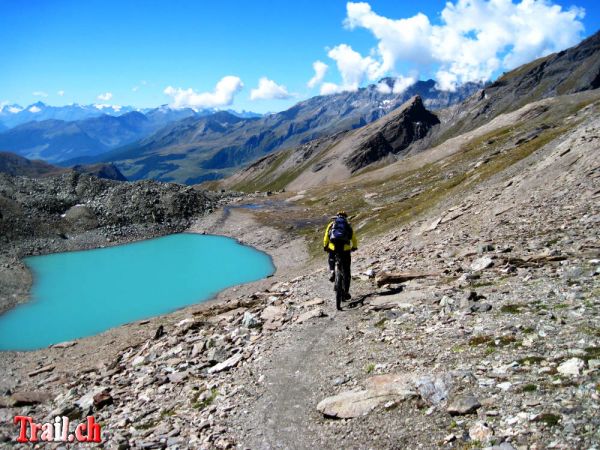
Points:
(340, 293)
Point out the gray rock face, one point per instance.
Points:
(405, 126)
(74, 202)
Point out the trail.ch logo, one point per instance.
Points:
(57, 431)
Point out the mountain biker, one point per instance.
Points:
(340, 237)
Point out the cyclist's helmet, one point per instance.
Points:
(342, 213)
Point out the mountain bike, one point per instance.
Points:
(339, 284)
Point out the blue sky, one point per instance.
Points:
(130, 52)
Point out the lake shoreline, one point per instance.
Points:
(287, 258)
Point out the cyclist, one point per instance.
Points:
(340, 237)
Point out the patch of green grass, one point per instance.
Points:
(507, 340)
(167, 413)
(591, 353)
(549, 419)
(489, 350)
(480, 339)
(146, 425)
(370, 368)
(561, 306)
(528, 330)
(204, 403)
(530, 360)
(381, 323)
(512, 308)
(458, 348)
(592, 331)
(529, 388)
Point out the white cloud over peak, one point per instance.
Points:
(105, 97)
(14, 109)
(320, 69)
(476, 39)
(102, 106)
(34, 109)
(269, 90)
(353, 68)
(60, 93)
(223, 94)
(400, 85)
(39, 94)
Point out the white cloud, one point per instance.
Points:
(223, 94)
(320, 69)
(476, 39)
(14, 109)
(105, 97)
(34, 109)
(353, 67)
(403, 83)
(60, 93)
(135, 88)
(330, 88)
(269, 90)
(399, 85)
(39, 94)
(101, 106)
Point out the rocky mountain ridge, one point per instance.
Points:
(15, 165)
(574, 70)
(207, 148)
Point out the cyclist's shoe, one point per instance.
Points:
(331, 276)
(348, 296)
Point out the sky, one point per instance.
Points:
(264, 55)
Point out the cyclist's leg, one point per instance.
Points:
(346, 262)
(331, 260)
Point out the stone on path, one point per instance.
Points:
(380, 389)
(250, 320)
(571, 367)
(463, 404)
(318, 312)
(481, 432)
(227, 364)
(482, 263)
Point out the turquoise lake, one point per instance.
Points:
(78, 294)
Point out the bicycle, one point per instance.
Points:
(340, 283)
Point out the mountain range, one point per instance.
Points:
(195, 149)
(14, 115)
(412, 128)
(61, 133)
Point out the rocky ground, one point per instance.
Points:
(495, 345)
(76, 211)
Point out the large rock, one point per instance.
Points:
(482, 263)
(227, 364)
(380, 389)
(318, 312)
(29, 398)
(571, 367)
(434, 389)
(463, 404)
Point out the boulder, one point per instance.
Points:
(463, 404)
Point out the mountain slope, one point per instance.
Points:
(15, 165)
(57, 140)
(573, 70)
(50, 140)
(197, 149)
(337, 157)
